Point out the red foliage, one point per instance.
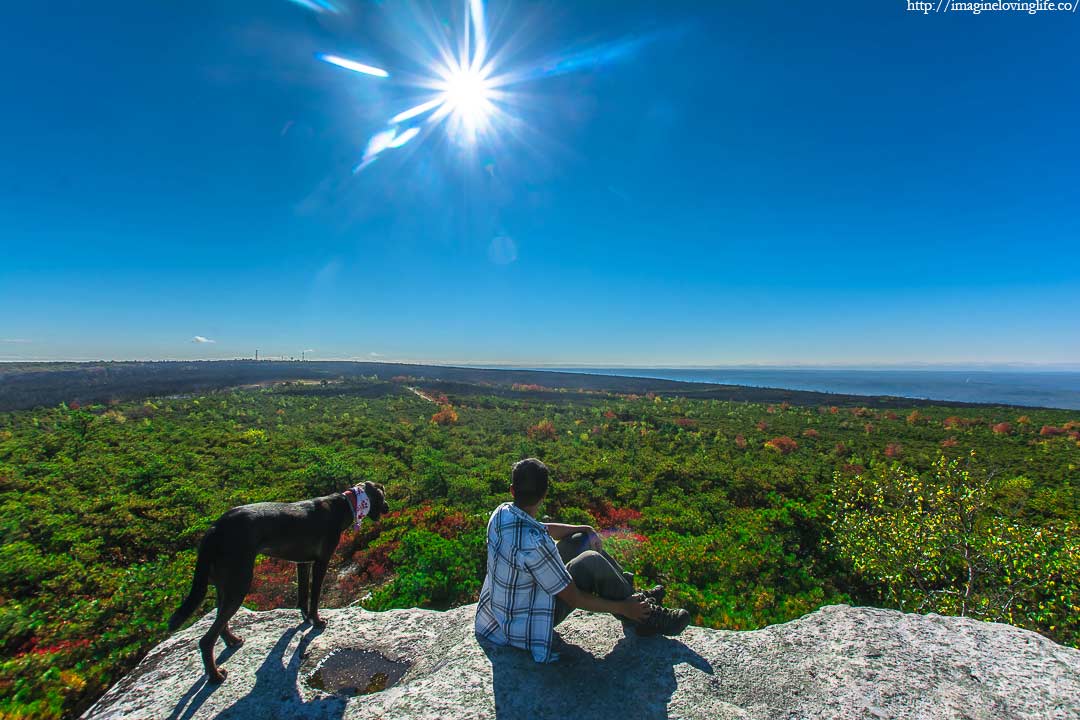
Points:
(74, 405)
(740, 442)
(785, 405)
(446, 416)
(860, 411)
(400, 379)
(686, 422)
(609, 415)
(770, 409)
(841, 450)
(893, 450)
(833, 409)
(272, 585)
(854, 469)
(1003, 428)
(868, 428)
(761, 425)
(915, 418)
(608, 517)
(62, 646)
(543, 430)
(1051, 431)
(783, 445)
(596, 430)
(949, 442)
(891, 415)
(810, 433)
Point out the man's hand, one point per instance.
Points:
(595, 543)
(636, 610)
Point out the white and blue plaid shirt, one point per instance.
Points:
(524, 573)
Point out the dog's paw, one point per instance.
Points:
(219, 677)
(318, 622)
(233, 643)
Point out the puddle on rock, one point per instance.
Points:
(357, 672)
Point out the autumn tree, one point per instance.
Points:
(935, 543)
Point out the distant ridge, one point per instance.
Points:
(28, 385)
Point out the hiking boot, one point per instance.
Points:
(664, 621)
(655, 595)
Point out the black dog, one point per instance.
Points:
(305, 532)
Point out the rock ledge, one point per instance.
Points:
(837, 662)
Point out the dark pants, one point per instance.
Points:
(593, 572)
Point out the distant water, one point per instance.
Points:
(1051, 389)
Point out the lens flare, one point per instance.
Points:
(465, 90)
(352, 65)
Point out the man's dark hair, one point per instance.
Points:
(530, 482)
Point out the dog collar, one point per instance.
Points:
(361, 506)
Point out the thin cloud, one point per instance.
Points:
(201, 339)
(374, 354)
(16, 341)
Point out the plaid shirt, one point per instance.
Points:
(524, 573)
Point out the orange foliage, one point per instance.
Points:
(833, 409)
(523, 387)
(446, 416)
(543, 430)
(1003, 429)
(1023, 420)
(840, 450)
(810, 433)
(868, 428)
(1051, 431)
(761, 425)
(740, 442)
(783, 445)
(949, 442)
(915, 417)
(893, 450)
(686, 422)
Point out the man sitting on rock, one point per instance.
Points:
(532, 584)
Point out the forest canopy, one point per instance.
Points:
(750, 513)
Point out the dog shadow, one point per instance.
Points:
(638, 673)
(275, 690)
(198, 693)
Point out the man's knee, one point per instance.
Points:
(587, 566)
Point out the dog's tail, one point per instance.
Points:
(199, 583)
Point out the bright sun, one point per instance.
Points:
(467, 95)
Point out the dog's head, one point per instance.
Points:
(377, 495)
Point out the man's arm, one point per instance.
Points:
(558, 531)
(636, 610)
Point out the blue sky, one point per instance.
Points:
(722, 183)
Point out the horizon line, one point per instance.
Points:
(503, 364)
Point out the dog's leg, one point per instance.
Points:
(231, 640)
(303, 583)
(316, 590)
(230, 594)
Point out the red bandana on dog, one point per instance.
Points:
(360, 505)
